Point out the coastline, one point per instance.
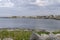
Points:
(56, 17)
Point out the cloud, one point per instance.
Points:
(6, 3)
(22, 3)
(30, 7)
(0, 0)
(45, 2)
(41, 3)
(36, 2)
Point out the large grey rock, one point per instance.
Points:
(57, 36)
(35, 36)
(44, 36)
(51, 36)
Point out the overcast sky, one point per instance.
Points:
(29, 7)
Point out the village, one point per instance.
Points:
(57, 17)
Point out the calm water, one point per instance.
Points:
(49, 24)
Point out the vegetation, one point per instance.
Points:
(57, 17)
(58, 32)
(55, 32)
(20, 35)
(16, 35)
(43, 32)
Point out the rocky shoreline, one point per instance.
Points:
(56, 17)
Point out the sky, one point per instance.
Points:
(29, 7)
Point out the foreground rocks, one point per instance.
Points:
(51, 36)
(35, 36)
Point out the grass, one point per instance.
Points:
(56, 32)
(16, 35)
(20, 35)
(41, 32)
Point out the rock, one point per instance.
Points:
(35, 36)
(7, 39)
(44, 36)
(51, 36)
(57, 36)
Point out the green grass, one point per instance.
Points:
(56, 32)
(43, 32)
(16, 35)
(20, 35)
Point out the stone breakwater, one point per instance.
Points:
(51, 36)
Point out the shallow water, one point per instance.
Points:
(48, 24)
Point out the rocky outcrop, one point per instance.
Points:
(35, 36)
(51, 36)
